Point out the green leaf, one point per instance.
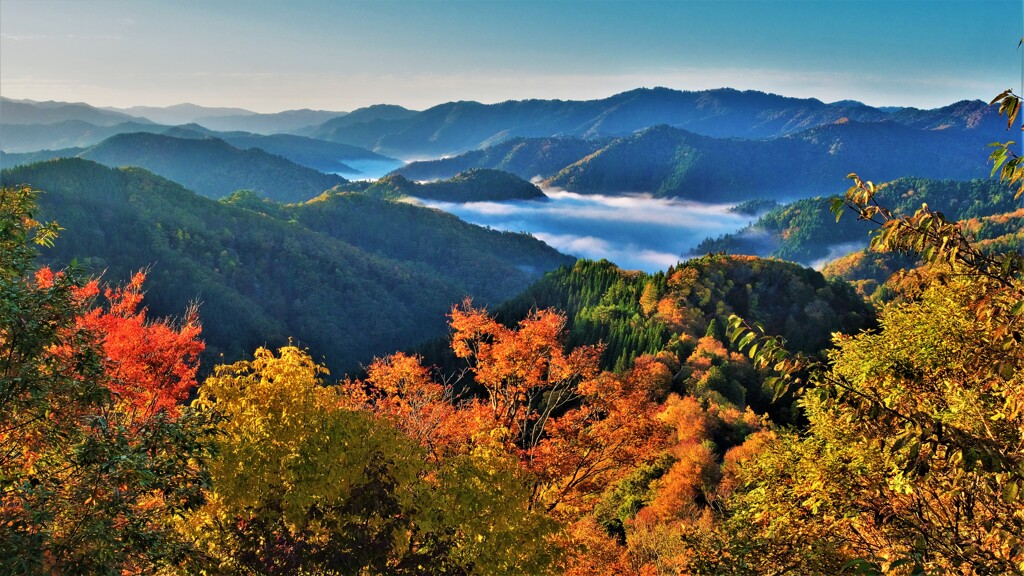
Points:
(1011, 491)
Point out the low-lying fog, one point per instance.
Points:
(636, 232)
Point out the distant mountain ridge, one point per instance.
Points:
(275, 123)
(31, 112)
(179, 113)
(456, 127)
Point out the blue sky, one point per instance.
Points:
(340, 55)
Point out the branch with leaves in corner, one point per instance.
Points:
(1003, 159)
(913, 457)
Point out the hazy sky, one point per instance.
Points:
(339, 55)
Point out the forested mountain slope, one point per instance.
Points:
(349, 277)
(23, 144)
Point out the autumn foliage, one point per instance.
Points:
(96, 456)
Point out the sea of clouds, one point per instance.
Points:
(637, 232)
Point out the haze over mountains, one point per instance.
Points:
(665, 142)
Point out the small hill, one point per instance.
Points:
(668, 313)
(477, 185)
(350, 277)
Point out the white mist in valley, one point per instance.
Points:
(637, 232)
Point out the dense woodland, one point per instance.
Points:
(731, 415)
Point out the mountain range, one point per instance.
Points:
(671, 162)
(456, 127)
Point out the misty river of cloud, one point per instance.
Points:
(636, 232)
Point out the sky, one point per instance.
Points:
(272, 55)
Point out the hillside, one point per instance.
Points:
(370, 115)
(212, 167)
(622, 307)
(878, 275)
(350, 276)
(805, 231)
(456, 127)
(477, 185)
